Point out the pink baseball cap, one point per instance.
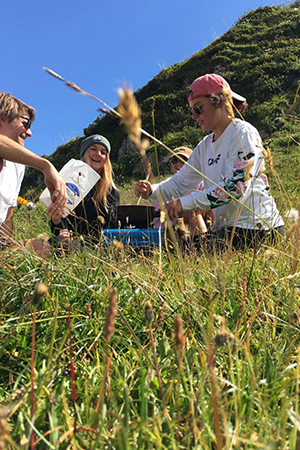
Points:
(211, 83)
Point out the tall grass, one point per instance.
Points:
(149, 349)
(225, 376)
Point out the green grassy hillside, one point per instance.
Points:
(259, 56)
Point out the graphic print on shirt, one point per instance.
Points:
(234, 186)
(212, 161)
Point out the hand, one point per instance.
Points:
(143, 188)
(55, 212)
(55, 184)
(65, 233)
(173, 208)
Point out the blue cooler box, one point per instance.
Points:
(134, 237)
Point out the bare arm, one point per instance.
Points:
(14, 152)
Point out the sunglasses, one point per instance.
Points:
(27, 123)
(198, 109)
(175, 160)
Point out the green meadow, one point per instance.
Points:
(150, 349)
(118, 348)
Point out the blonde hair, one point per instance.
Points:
(104, 186)
(11, 108)
(219, 99)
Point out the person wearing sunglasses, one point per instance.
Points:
(15, 127)
(230, 163)
(195, 220)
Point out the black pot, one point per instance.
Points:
(137, 216)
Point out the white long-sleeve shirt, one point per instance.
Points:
(234, 162)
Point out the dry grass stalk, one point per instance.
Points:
(110, 321)
(4, 432)
(130, 113)
(78, 89)
(293, 234)
(292, 230)
(119, 246)
(182, 230)
(130, 107)
(178, 333)
(248, 170)
(268, 156)
(295, 104)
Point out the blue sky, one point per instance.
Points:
(99, 45)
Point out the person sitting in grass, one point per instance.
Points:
(230, 163)
(195, 220)
(96, 211)
(15, 127)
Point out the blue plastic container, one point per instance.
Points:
(134, 237)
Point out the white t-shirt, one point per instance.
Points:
(11, 177)
(235, 162)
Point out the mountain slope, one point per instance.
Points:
(259, 56)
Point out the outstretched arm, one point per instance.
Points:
(14, 152)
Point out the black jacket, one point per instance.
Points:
(89, 217)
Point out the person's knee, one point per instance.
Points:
(40, 247)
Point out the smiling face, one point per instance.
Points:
(176, 164)
(97, 155)
(16, 129)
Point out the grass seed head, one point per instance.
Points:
(101, 220)
(223, 337)
(182, 230)
(178, 334)
(148, 311)
(40, 291)
(248, 170)
(268, 156)
(111, 313)
(131, 115)
(119, 246)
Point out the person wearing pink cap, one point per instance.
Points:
(230, 163)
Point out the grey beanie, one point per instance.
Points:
(95, 139)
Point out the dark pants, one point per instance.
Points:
(243, 238)
(237, 238)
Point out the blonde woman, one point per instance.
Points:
(98, 208)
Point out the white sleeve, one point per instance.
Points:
(183, 182)
(244, 162)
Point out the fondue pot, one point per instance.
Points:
(138, 216)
